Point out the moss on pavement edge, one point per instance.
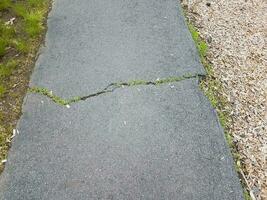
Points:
(212, 89)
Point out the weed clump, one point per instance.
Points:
(21, 30)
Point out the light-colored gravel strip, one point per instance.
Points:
(236, 32)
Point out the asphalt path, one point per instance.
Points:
(153, 142)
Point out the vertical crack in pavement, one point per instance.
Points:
(110, 88)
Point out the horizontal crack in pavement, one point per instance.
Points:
(110, 88)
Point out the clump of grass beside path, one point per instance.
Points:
(22, 25)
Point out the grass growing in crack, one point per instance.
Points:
(175, 79)
(156, 82)
(110, 88)
(212, 88)
(54, 98)
(136, 82)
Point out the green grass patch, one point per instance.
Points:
(7, 68)
(20, 45)
(2, 90)
(21, 31)
(33, 23)
(20, 9)
(4, 4)
(201, 45)
(6, 35)
(3, 45)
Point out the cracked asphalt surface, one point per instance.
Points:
(140, 142)
(110, 88)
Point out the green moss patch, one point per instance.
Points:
(212, 88)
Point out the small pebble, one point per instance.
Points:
(4, 161)
(209, 39)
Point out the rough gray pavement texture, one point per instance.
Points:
(145, 142)
(139, 142)
(92, 43)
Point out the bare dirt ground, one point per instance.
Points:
(236, 34)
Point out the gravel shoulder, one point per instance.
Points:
(236, 37)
